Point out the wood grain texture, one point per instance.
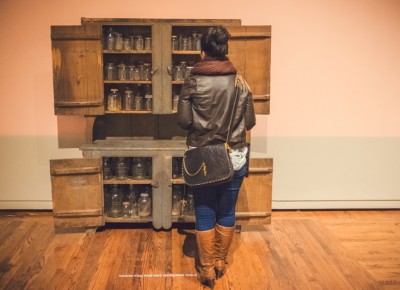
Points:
(299, 250)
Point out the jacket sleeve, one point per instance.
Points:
(185, 113)
(249, 114)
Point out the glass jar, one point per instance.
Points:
(183, 66)
(197, 42)
(129, 101)
(107, 168)
(131, 72)
(187, 71)
(178, 73)
(174, 43)
(146, 73)
(116, 200)
(180, 42)
(139, 42)
(139, 168)
(132, 41)
(127, 44)
(185, 43)
(126, 209)
(175, 101)
(119, 42)
(132, 194)
(138, 103)
(144, 205)
(189, 43)
(110, 72)
(114, 101)
(147, 43)
(121, 168)
(176, 201)
(122, 72)
(148, 102)
(110, 41)
(137, 74)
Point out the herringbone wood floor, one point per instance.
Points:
(299, 250)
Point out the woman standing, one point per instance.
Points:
(204, 109)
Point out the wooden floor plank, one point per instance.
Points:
(299, 250)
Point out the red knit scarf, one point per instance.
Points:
(213, 66)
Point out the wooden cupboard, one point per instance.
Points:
(80, 55)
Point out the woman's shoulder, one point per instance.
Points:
(241, 83)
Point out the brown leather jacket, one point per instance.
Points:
(205, 107)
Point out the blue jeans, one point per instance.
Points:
(217, 204)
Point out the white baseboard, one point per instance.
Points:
(335, 204)
(276, 204)
(26, 204)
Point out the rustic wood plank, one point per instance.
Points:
(298, 250)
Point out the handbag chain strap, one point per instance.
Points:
(202, 166)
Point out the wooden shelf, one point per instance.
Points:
(126, 51)
(127, 220)
(177, 181)
(194, 52)
(127, 181)
(128, 112)
(127, 82)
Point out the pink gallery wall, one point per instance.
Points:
(335, 64)
(335, 81)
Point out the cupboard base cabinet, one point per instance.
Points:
(80, 196)
(124, 76)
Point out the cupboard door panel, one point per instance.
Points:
(254, 201)
(77, 191)
(77, 70)
(250, 51)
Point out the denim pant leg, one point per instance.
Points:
(217, 204)
(227, 203)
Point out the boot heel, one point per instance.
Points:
(219, 273)
(209, 283)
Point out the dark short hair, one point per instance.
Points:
(215, 41)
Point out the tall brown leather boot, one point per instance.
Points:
(223, 240)
(206, 249)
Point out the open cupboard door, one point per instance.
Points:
(77, 70)
(77, 192)
(250, 52)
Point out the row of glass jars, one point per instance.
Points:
(130, 101)
(127, 203)
(123, 72)
(127, 167)
(182, 205)
(117, 41)
(186, 42)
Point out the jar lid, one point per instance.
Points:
(148, 96)
(138, 97)
(173, 36)
(114, 90)
(144, 194)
